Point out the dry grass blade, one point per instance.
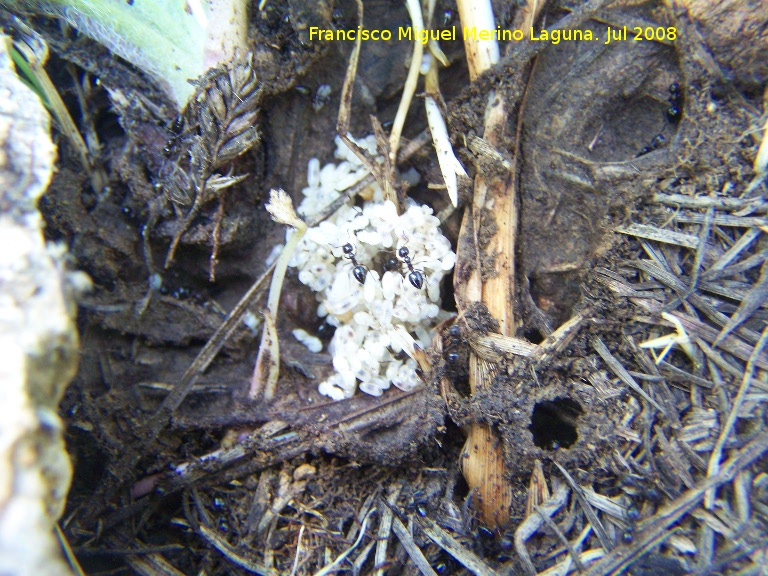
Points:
(660, 235)
(487, 154)
(731, 344)
(462, 555)
(675, 374)
(413, 551)
(734, 269)
(364, 510)
(385, 528)
(152, 565)
(617, 368)
(233, 555)
(532, 523)
(409, 89)
(69, 554)
(649, 531)
(594, 521)
(669, 279)
(700, 202)
(723, 220)
(714, 460)
(30, 54)
(616, 283)
(720, 362)
(564, 567)
(267, 368)
(704, 233)
(333, 566)
(733, 252)
(560, 338)
(559, 533)
(299, 551)
(538, 491)
(606, 505)
(362, 558)
(755, 298)
(494, 347)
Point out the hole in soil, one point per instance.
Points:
(449, 303)
(553, 423)
(533, 336)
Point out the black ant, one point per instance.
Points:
(657, 142)
(674, 111)
(176, 131)
(455, 333)
(415, 277)
(632, 515)
(391, 264)
(359, 271)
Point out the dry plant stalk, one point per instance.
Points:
(267, 369)
(483, 461)
(385, 174)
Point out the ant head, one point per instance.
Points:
(348, 248)
(403, 252)
(391, 265)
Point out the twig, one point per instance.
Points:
(384, 175)
(385, 528)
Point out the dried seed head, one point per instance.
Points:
(280, 207)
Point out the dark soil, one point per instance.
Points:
(587, 111)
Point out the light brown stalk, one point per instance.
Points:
(483, 462)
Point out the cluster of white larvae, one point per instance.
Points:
(366, 347)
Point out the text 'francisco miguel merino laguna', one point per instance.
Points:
(423, 35)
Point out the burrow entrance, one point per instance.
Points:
(554, 423)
